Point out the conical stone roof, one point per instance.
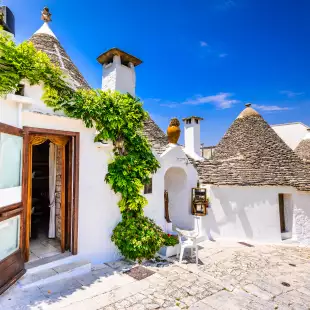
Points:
(303, 148)
(44, 40)
(252, 154)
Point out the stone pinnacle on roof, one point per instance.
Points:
(252, 154)
(303, 148)
(45, 40)
(46, 15)
(248, 111)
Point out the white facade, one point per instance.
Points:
(291, 133)
(252, 213)
(119, 77)
(98, 209)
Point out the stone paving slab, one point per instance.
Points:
(229, 276)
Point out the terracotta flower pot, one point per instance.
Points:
(174, 131)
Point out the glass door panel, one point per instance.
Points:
(10, 168)
(9, 236)
(11, 205)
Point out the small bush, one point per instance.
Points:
(138, 237)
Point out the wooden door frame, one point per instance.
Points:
(72, 197)
(14, 263)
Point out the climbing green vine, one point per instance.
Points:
(116, 117)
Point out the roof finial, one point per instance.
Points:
(46, 15)
(248, 105)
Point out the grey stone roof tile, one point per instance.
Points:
(252, 154)
(51, 46)
(303, 150)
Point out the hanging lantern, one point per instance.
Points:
(199, 201)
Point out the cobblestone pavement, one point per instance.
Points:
(229, 276)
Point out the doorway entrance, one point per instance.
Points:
(45, 232)
(50, 192)
(25, 204)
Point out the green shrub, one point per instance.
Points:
(138, 237)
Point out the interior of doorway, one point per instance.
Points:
(47, 217)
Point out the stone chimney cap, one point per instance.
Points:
(190, 117)
(107, 57)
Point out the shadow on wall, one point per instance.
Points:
(233, 214)
(179, 207)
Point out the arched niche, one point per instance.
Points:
(176, 183)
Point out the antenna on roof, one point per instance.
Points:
(46, 15)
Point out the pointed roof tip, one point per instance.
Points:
(248, 111)
(45, 29)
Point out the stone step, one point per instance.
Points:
(62, 269)
(48, 262)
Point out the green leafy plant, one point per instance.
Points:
(138, 237)
(170, 240)
(116, 117)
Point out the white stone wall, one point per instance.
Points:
(252, 213)
(173, 157)
(301, 218)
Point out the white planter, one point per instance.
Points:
(169, 251)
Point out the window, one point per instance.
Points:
(148, 188)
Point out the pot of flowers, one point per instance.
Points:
(171, 245)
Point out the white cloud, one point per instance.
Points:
(161, 102)
(203, 43)
(291, 94)
(270, 108)
(169, 105)
(221, 100)
(223, 55)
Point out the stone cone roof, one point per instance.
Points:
(44, 40)
(155, 136)
(303, 149)
(252, 154)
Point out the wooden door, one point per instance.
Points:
(281, 212)
(11, 206)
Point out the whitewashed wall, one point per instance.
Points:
(175, 161)
(291, 134)
(252, 213)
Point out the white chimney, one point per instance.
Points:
(192, 135)
(119, 71)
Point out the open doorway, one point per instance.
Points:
(50, 193)
(45, 233)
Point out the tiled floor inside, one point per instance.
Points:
(42, 247)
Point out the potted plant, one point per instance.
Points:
(171, 245)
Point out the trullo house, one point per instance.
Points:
(54, 200)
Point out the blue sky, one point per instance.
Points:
(205, 58)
